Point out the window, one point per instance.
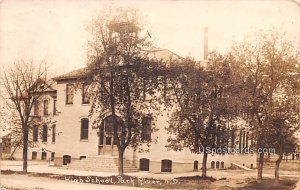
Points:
(166, 166)
(34, 155)
(66, 159)
(217, 164)
(232, 138)
(45, 133)
(46, 107)
(84, 129)
(146, 129)
(69, 94)
(52, 156)
(53, 133)
(195, 165)
(144, 164)
(36, 108)
(108, 140)
(85, 94)
(54, 107)
(82, 157)
(35, 133)
(44, 155)
(212, 165)
(101, 133)
(222, 165)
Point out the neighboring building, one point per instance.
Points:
(5, 146)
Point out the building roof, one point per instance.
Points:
(163, 54)
(73, 74)
(5, 134)
(158, 54)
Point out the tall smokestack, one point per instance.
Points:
(205, 48)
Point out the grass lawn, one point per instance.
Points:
(221, 180)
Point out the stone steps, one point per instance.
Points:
(101, 164)
(238, 166)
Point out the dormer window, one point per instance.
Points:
(69, 93)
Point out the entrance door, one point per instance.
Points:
(107, 145)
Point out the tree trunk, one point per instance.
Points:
(204, 161)
(277, 164)
(25, 148)
(120, 165)
(260, 166)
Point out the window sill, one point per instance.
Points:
(84, 140)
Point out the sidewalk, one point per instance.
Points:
(297, 186)
(42, 183)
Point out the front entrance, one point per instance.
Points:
(107, 145)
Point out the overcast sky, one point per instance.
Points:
(55, 30)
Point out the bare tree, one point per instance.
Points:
(24, 83)
(123, 79)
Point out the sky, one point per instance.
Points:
(55, 30)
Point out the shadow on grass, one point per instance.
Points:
(266, 184)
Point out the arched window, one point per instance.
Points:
(36, 108)
(35, 133)
(66, 159)
(217, 164)
(144, 164)
(46, 107)
(195, 165)
(212, 164)
(166, 166)
(222, 165)
(84, 131)
(34, 155)
(251, 166)
(106, 130)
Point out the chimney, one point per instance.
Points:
(205, 48)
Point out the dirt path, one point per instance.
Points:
(44, 183)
